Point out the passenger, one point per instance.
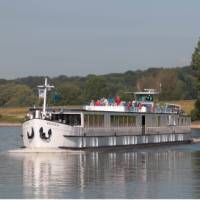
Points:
(117, 100)
(135, 104)
(153, 108)
(111, 101)
(139, 106)
(129, 105)
(133, 108)
(105, 102)
(102, 101)
(92, 103)
(98, 103)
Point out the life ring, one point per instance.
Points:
(30, 136)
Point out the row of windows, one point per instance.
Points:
(94, 121)
(115, 120)
(182, 121)
(122, 121)
(172, 121)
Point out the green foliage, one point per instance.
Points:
(196, 57)
(12, 95)
(68, 94)
(96, 87)
(196, 65)
(195, 114)
(177, 83)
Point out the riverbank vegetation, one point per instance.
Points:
(173, 83)
(176, 85)
(195, 64)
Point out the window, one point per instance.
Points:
(122, 121)
(69, 119)
(158, 121)
(131, 121)
(93, 120)
(86, 120)
(113, 121)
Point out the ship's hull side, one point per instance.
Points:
(38, 133)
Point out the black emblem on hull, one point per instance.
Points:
(43, 134)
(30, 136)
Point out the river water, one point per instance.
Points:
(156, 172)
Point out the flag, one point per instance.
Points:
(41, 93)
(56, 97)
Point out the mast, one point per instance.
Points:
(45, 88)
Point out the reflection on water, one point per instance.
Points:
(147, 174)
(170, 172)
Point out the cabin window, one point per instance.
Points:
(158, 121)
(131, 121)
(93, 120)
(69, 119)
(114, 120)
(122, 121)
(186, 121)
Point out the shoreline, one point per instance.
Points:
(195, 125)
(8, 124)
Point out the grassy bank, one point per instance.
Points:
(12, 115)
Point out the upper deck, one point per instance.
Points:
(142, 102)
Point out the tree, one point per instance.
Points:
(196, 66)
(196, 58)
(67, 94)
(16, 95)
(96, 87)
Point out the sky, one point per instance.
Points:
(80, 37)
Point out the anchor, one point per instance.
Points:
(30, 136)
(43, 134)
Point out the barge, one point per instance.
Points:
(116, 124)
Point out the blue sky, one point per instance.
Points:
(80, 37)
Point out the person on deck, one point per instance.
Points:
(117, 100)
(139, 106)
(111, 101)
(97, 103)
(92, 103)
(129, 105)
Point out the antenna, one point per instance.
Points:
(45, 88)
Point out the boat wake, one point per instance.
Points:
(44, 150)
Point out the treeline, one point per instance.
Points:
(174, 84)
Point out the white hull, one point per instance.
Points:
(64, 136)
(55, 140)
